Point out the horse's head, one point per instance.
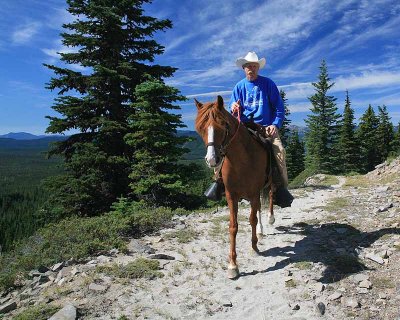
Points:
(212, 123)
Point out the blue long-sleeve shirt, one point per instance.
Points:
(260, 101)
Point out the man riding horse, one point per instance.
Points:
(257, 100)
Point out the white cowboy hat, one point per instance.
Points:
(250, 57)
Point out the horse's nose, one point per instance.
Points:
(211, 157)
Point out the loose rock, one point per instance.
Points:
(321, 308)
(161, 256)
(7, 307)
(351, 303)
(365, 284)
(66, 313)
(375, 258)
(97, 287)
(334, 296)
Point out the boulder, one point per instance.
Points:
(66, 313)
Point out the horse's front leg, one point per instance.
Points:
(255, 207)
(233, 270)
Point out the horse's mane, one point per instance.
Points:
(211, 115)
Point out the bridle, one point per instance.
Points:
(222, 149)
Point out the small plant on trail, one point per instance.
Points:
(303, 265)
(182, 236)
(39, 312)
(140, 268)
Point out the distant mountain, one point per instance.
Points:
(26, 136)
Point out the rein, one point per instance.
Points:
(224, 147)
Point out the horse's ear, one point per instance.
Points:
(220, 102)
(198, 104)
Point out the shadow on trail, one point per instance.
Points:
(335, 245)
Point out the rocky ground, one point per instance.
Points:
(334, 254)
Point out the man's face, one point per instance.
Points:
(251, 70)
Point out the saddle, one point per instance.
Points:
(258, 133)
(282, 196)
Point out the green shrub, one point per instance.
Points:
(72, 238)
(142, 219)
(77, 238)
(39, 312)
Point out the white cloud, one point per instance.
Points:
(57, 17)
(210, 94)
(374, 79)
(176, 42)
(361, 22)
(54, 55)
(300, 107)
(25, 33)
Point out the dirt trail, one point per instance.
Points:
(333, 255)
(196, 286)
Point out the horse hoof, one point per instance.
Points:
(233, 273)
(255, 251)
(271, 219)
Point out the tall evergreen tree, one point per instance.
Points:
(395, 145)
(367, 138)
(348, 146)
(114, 45)
(284, 131)
(294, 155)
(384, 134)
(322, 135)
(156, 175)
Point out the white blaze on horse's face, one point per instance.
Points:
(211, 156)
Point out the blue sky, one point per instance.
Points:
(360, 40)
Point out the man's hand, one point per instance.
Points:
(235, 107)
(271, 131)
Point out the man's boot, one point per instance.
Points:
(215, 190)
(282, 197)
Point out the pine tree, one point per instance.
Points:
(395, 145)
(384, 134)
(114, 45)
(294, 155)
(322, 135)
(366, 135)
(156, 175)
(348, 145)
(284, 131)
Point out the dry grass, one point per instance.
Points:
(140, 268)
(336, 204)
(387, 178)
(303, 265)
(357, 181)
(291, 284)
(329, 181)
(381, 282)
(183, 236)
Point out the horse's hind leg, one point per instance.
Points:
(233, 270)
(255, 207)
(263, 200)
(271, 218)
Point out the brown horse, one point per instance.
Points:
(244, 170)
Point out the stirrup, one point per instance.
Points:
(215, 190)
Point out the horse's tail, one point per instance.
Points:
(264, 196)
